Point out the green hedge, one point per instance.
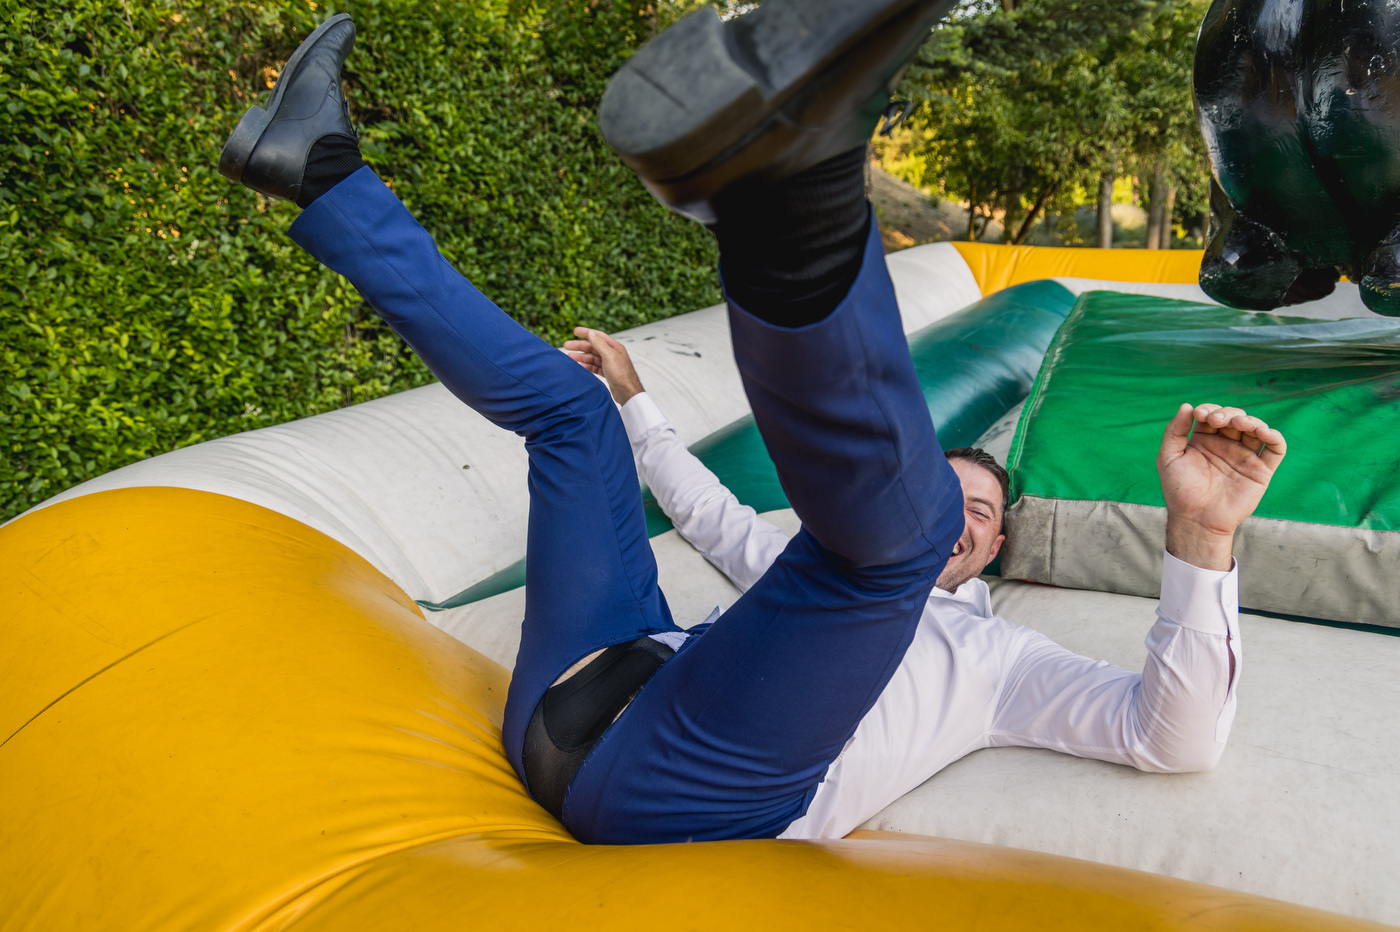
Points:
(148, 304)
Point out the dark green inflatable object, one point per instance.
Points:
(1299, 104)
(974, 366)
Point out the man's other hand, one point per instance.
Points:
(1213, 478)
(602, 355)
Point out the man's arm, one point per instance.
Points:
(1215, 465)
(729, 534)
(1176, 715)
(1172, 717)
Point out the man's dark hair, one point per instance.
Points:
(988, 462)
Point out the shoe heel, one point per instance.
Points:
(241, 143)
(661, 108)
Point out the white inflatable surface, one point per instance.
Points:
(1302, 808)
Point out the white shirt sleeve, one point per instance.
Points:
(1173, 717)
(731, 535)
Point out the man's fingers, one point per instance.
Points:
(597, 345)
(604, 343)
(1178, 430)
(581, 352)
(1274, 449)
(1217, 420)
(600, 353)
(1218, 414)
(1247, 426)
(590, 363)
(576, 348)
(1244, 428)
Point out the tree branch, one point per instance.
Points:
(1034, 212)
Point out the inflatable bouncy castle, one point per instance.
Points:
(257, 683)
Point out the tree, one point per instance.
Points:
(1030, 105)
(1162, 143)
(149, 304)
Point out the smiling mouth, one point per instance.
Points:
(958, 548)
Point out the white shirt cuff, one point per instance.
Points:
(1199, 599)
(640, 414)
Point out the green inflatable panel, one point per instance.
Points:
(1122, 363)
(974, 365)
(1087, 504)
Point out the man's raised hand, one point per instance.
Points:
(1213, 478)
(602, 355)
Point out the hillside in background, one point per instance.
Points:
(911, 217)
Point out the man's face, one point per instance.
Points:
(981, 536)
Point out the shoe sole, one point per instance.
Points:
(245, 136)
(703, 86)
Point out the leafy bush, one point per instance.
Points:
(149, 304)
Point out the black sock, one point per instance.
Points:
(332, 159)
(789, 252)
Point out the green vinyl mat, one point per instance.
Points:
(1121, 364)
(1087, 506)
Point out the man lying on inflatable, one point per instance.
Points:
(971, 679)
(862, 655)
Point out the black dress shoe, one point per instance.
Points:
(763, 96)
(268, 148)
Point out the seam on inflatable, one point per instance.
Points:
(88, 679)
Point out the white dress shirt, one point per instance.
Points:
(972, 679)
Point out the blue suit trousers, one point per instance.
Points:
(732, 735)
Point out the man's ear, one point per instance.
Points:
(996, 547)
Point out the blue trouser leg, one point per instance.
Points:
(590, 573)
(732, 735)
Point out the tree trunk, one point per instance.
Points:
(1164, 237)
(971, 214)
(1156, 201)
(1105, 238)
(1024, 230)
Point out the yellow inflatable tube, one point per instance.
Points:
(215, 717)
(996, 267)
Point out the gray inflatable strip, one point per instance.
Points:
(1286, 567)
